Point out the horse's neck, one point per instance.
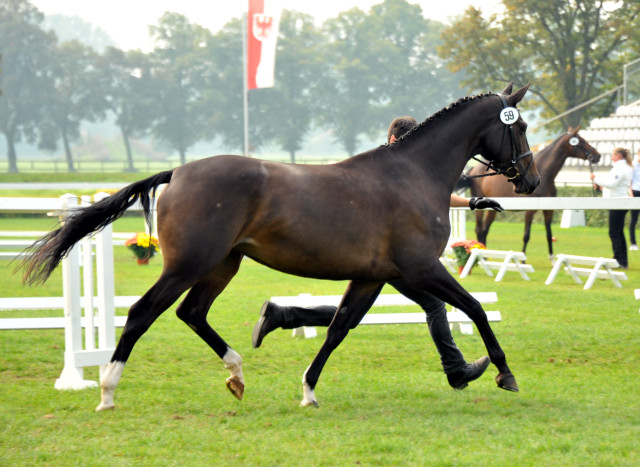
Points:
(550, 162)
(438, 146)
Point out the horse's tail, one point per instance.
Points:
(464, 182)
(46, 252)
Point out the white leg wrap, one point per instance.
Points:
(233, 362)
(108, 384)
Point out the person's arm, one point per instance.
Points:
(474, 203)
(610, 180)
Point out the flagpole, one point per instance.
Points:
(245, 86)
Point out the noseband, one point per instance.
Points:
(512, 171)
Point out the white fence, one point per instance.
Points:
(99, 328)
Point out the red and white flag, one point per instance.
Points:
(263, 21)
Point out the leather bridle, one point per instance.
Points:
(512, 171)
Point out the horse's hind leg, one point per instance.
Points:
(548, 217)
(354, 305)
(141, 316)
(481, 235)
(440, 283)
(193, 311)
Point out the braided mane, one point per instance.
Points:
(429, 120)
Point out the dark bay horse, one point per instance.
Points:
(378, 216)
(548, 161)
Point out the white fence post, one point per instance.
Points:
(106, 288)
(458, 221)
(71, 376)
(75, 357)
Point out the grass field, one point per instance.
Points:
(383, 397)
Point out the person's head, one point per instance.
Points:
(399, 127)
(621, 153)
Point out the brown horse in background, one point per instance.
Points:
(548, 161)
(373, 218)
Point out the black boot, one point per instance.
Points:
(461, 378)
(270, 319)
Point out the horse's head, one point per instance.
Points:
(577, 146)
(505, 142)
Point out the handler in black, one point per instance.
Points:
(459, 372)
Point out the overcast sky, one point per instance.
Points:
(126, 21)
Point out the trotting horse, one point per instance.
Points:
(548, 161)
(375, 217)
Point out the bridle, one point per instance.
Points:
(512, 171)
(575, 142)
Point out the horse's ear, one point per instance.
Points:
(506, 91)
(517, 96)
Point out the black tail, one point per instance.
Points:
(46, 252)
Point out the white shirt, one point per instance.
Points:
(616, 183)
(635, 180)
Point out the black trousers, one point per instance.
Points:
(450, 356)
(616, 234)
(634, 220)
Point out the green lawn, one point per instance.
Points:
(383, 397)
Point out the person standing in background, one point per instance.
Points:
(616, 184)
(635, 192)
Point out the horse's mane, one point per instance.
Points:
(549, 147)
(431, 119)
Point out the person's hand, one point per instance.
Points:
(484, 203)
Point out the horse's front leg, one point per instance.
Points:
(355, 303)
(528, 219)
(437, 280)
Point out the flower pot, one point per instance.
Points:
(142, 260)
(461, 268)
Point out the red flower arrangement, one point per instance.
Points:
(462, 250)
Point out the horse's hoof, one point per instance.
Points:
(102, 407)
(507, 382)
(236, 387)
(307, 403)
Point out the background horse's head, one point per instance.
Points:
(576, 146)
(505, 143)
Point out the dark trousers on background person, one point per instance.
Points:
(450, 356)
(616, 234)
(634, 220)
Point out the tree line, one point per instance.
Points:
(349, 76)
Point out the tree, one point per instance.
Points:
(68, 28)
(347, 93)
(127, 88)
(570, 50)
(412, 78)
(290, 106)
(180, 70)
(76, 97)
(25, 80)
(382, 65)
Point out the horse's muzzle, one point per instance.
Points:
(525, 186)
